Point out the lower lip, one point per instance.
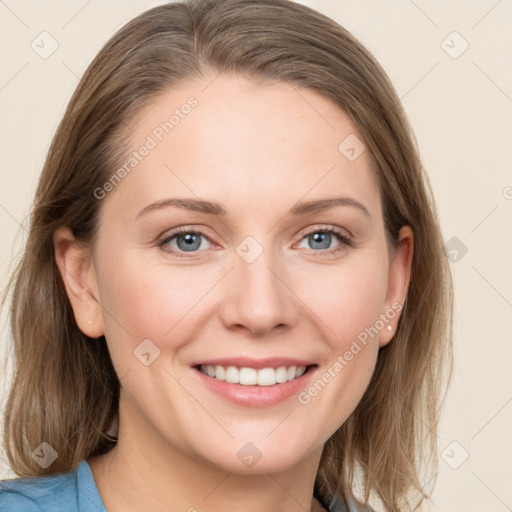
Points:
(257, 396)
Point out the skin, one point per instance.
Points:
(257, 150)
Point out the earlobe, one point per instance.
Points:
(79, 277)
(398, 282)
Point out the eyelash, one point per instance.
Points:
(345, 240)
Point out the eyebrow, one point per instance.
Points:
(212, 208)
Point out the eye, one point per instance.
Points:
(320, 240)
(184, 240)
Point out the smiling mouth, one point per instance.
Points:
(247, 376)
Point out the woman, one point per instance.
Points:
(234, 290)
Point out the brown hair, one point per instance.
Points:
(65, 390)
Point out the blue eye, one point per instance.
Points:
(185, 240)
(320, 240)
(190, 242)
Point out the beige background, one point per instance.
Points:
(461, 110)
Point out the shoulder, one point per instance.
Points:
(44, 493)
(338, 505)
(53, 493)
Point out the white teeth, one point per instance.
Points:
(267, 377)
(250, 376)
(300, 371)
(232, 375)
(220, 373)
(281, 374)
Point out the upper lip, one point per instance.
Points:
(249, 362)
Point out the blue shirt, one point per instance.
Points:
(75, 492)
(63, 492)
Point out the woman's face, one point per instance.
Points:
(247, 236)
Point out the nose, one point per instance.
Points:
(257, 297)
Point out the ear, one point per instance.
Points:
(79, 276)
(398, 281)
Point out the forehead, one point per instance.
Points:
(253, 145)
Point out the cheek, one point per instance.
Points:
(347, 299)
(150, 301)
